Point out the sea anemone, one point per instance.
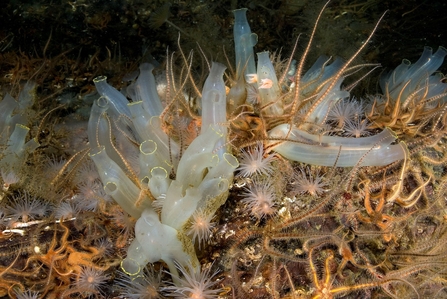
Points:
(201, 226)
(90, 281)
(345, 110)
(357, 128)
(54, 166)
(27, 295)
(104, 247)
(253, 162)
(26, 208)
(260, 199)
(87, 173)
(193, 284)
(67, 210)
(146, 286)
(306, 182)
(91, 194)
(125, 223)
(9, 178)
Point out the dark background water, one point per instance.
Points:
(133, 30)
